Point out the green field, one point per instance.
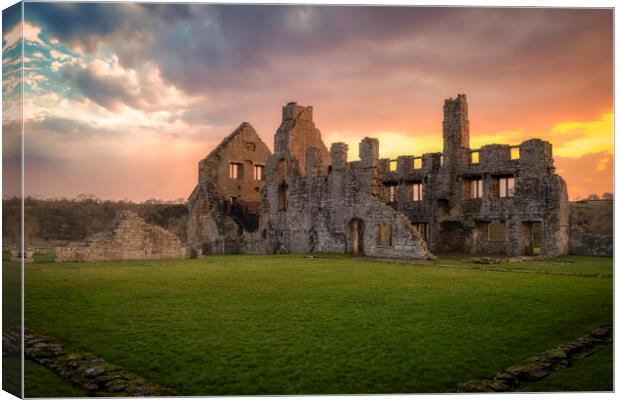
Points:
(11, 318)
(594, 374)
(567, 265)
(41, 382)
(298, 325)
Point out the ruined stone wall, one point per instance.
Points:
(128, 238)
(591, 228)
(225, 205)
(311, 208)
(485, 200)
(297, 134)
(457, 220)
(244, 148)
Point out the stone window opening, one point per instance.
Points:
(474, 157)
(536, 231)
(393, 165)
(441, 160)
(258, 172)
(250, 146)
(422, 229)
(391, 192)
(417, 191)
(384, 234)
(283, 197)
(356, 230)
(475, 188)
(281, 169)
(507, 186)
(514, 153)
(496, 231)
(232, 200)
(235, 170)
(417, 163)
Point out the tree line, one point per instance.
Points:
(50, 221)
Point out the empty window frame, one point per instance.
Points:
(391, 193)
(258, 172)
(235, 170)
(281, 169)
(475, 157)
(506, 186)
(283, 197)
(514, 153)
(422, 229)
(417, 190)
(384, 234)
(496, 230)
(417, 163)
(250, 146)
(393, 165)
(475, 188)
(230, 204)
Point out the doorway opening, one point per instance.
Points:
(536, 238)
(532, 240)
(356, 229)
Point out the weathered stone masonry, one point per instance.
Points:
(312, 199)
(226, 202)
(128, 238)
(483, 200)
(316, 201)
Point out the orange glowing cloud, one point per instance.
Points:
(576, 138)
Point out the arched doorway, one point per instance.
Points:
(356, 230)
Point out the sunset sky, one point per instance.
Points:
(123, 100)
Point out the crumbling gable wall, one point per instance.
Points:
(326, 204)
(297, 135)
(226, 200)
(592, 227)
(128, 238)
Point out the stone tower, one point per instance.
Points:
(455, 150)
(455, 131)
(298, 136)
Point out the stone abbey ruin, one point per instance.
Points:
(307, 198)
(304, 198)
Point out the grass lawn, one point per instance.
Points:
(11, 318)
(593, 373)
(296, 325)
(41, 382)
(577, 265)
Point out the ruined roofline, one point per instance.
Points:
(293, 112)
(512, 146)
(458, 98)
(242, 127)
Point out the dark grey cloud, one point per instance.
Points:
(213, 48)
(107, 91)
(242, 59)
(202, 47)
(66, 127)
